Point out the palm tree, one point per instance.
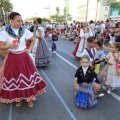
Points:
(114, 4)
(65, 11)
(7, 8)
(111, 2)
(58, 10)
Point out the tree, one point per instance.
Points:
(111, 2)
(45, 20)
(69, 17)
(6, 7)
(58, 10)
(114, 4)
(65, 11)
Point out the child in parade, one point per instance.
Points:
(99, 57)
(84, 84)
(113, 79)
(54, 40)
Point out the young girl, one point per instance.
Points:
(83, 82)
(113, 80)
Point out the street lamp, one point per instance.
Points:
(49, 9)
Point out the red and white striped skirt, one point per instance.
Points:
(20, 80)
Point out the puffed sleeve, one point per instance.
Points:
(3, 36)
(28, 34)
(108, 55)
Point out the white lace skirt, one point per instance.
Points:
(113, 79)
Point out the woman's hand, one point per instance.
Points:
(109, 63)
(27, 50)
(11, 46)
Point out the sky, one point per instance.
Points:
(29, 8)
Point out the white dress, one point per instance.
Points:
(83, 42)
(112, 79)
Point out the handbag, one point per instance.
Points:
(117, 64)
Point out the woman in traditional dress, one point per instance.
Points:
(85, 32)
(77, 43)
(19, 78)
(42, 57)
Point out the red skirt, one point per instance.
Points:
(76, 48)
(21, 79)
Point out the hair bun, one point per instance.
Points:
(13, 15)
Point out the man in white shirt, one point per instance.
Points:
(102, 27)
(92, 27)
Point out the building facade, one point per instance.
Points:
(96, 11)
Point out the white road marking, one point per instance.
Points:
(61, 99)
(10, 113)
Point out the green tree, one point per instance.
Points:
(65, 11)
(114, 4)
(58, 10)
(45, 20)
(111, 3)
(69, 17)
(6, 7)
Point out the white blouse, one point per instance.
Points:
(85, 52)
(84, 70)
(5, 37)
(43, 32)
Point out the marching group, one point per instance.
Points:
(19, 78)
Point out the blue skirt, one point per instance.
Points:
(86, 96)
(42, 57)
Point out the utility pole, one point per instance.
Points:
(87, 10)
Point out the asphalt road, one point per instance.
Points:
(59, 103)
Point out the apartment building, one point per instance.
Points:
(96, 11)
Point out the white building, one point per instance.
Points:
(97, 11)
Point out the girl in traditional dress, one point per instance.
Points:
(84, 83)
(19, 79)
(113, 80)
(85, 32)
(42, 57)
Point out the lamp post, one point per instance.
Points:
(48, 9)
(87, 10)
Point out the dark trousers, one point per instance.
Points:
(54, 46)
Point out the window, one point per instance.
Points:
(106, 8)
(105, 16)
